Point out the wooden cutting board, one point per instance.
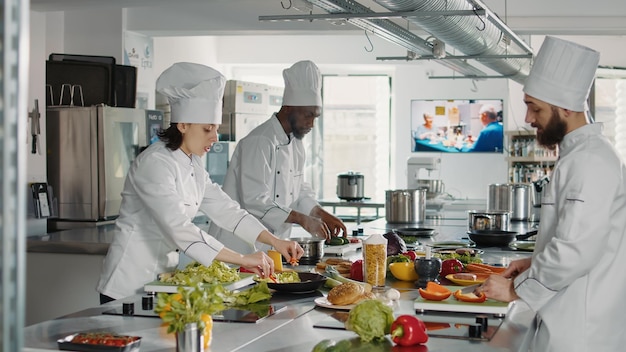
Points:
(451, 304)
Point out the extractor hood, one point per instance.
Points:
(467, 26)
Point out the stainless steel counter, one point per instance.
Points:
(291, 328)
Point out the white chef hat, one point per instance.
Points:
(194, 92)
(562, 74)
(302, 85)
(485, 108)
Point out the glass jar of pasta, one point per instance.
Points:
(375, 260)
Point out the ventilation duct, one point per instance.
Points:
(472, 35)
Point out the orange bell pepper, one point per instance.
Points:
(434, 292)
(470, 297)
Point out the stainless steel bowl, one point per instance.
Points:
(313, 249)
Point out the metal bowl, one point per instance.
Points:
(313, 249)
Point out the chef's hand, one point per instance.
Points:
(499, 288)
(315, 226)
(289, 249)
(516, 267)
(334, 224)
(259, 262)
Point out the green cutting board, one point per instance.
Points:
(451, 304)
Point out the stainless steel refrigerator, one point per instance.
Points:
(89, 153)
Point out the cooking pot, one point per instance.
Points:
(499, 197)
(480, 220)
(313, 249)
(433, 187)
(350, 186)
(405, 205)
(520, 201)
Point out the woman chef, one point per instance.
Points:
(575, 282)
(167, 185)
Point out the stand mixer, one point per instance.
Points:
(416, 179)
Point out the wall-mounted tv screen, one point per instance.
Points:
(457, 126)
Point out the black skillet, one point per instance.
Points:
(493, 238)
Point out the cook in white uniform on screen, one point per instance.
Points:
(575, 281)
(266, 172)
(167, 185)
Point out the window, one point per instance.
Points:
(609, 105)
(355, 132)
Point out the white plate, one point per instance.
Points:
(323, 302)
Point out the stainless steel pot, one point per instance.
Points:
(405, 205)
(350, 186)
(499, 197)
(433, 187)
(313, 249)
(481, 220)
(520, 201)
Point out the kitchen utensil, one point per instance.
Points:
(405, 205)
(350, 186)
(526, 246)
(452, 244)
(480, 278)
(499, 197)
(313, 249)
(479, 220)
(520, 201)
(427, 270)
(471, 288)
(492, 238)
(433, 187)
(526, 235)
(308, 282)
(451, 304)
(415, 231)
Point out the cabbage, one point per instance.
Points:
(371, 320)
(395, 244)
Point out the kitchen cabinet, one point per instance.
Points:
(527, 160)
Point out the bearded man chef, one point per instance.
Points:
(167, 185)
(574, 282)
(266, 173)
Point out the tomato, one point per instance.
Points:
(434, 292)
(451, 266)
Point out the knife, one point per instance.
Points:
(469, 289)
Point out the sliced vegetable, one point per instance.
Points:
(451, 266)
(470, 297)
(411, 255)
(434, 292)
(484, 268)
(408, 330)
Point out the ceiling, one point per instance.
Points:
(240, 17)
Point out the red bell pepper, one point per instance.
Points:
(408, 330)
(470, 297)
(356, 270)
(451, 266)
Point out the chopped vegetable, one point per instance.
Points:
(397, 258)
(371, 320)
(470, 297)
(463, 258)
(484, 268)
(282, 278)
(434, 292)
(194, 273)
(408, 330)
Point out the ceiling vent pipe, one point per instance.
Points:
(472, 35)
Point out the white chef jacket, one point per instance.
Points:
(576, 283)
(266, 176)
(162, 193)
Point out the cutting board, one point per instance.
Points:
(158, 286)
(451, 304)
(343, 249)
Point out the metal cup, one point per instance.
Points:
(190, 339)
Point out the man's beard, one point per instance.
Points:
(298, 132)
(554, 131)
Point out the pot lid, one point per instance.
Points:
(350, 174)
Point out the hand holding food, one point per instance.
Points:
(259, 263)
(291, 250)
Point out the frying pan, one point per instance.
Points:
(309, 282)
(494, 238)
(415, 231)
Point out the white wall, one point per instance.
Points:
(466, 175)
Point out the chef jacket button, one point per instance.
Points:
(278, 172)
(192, 174)
(277, 196)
